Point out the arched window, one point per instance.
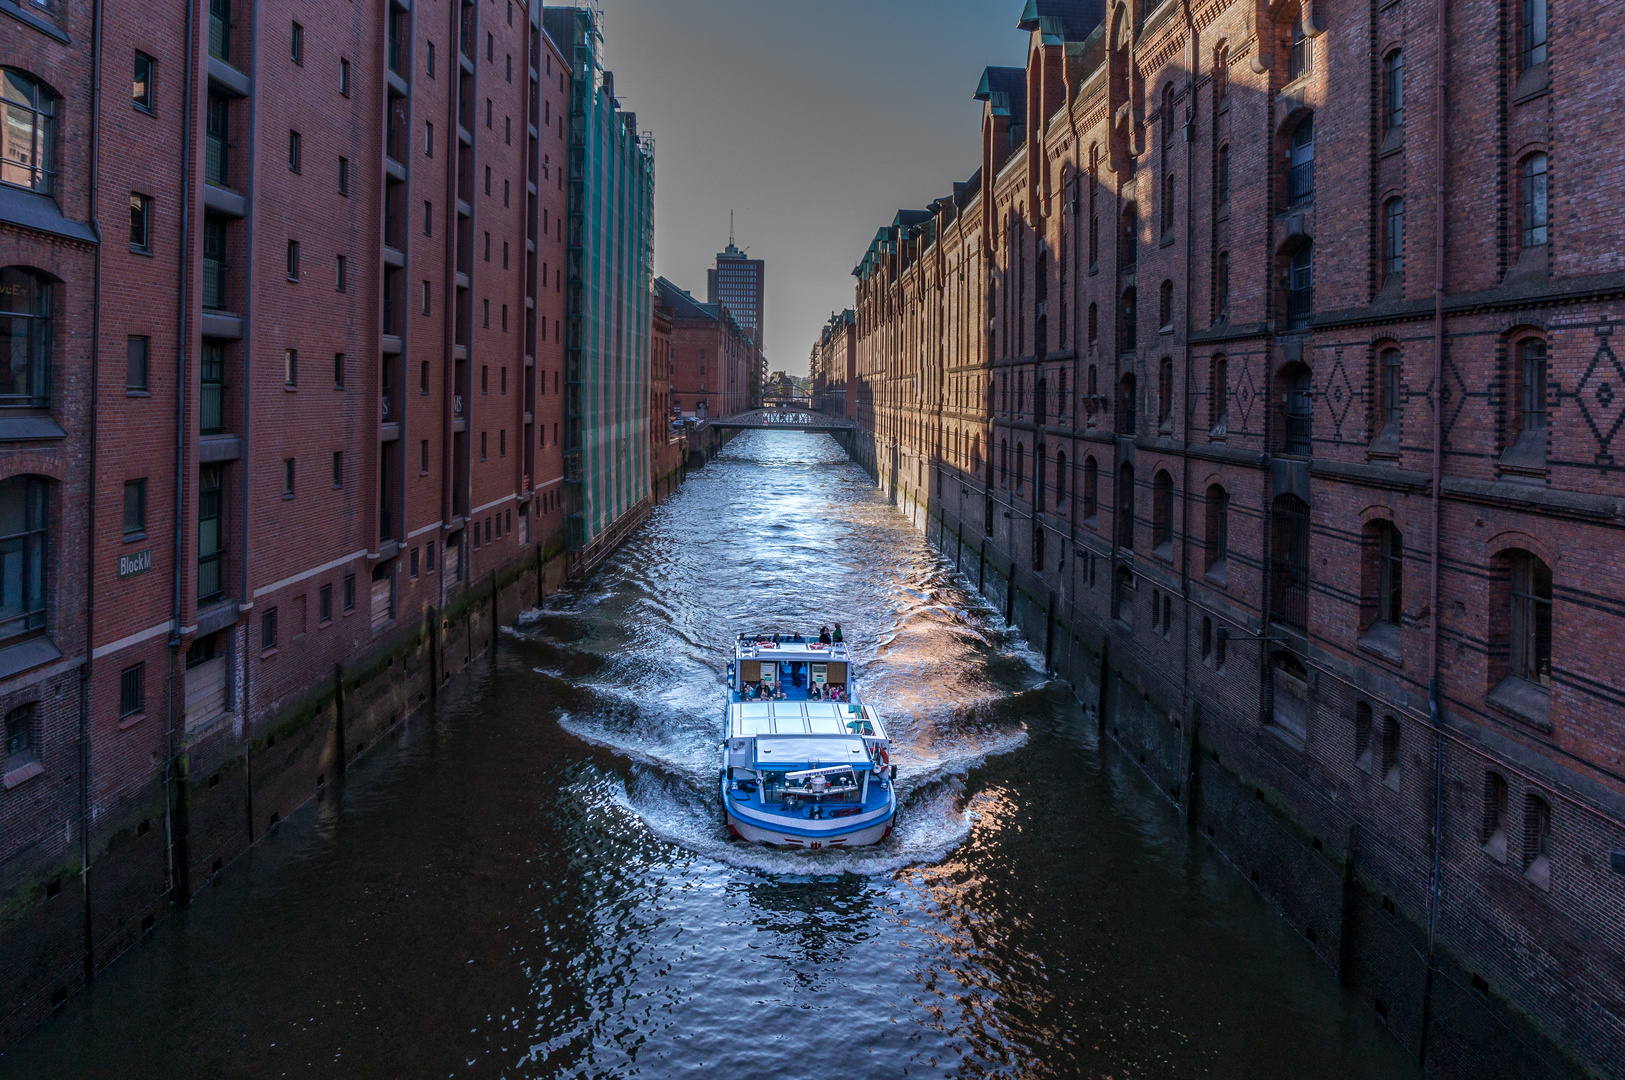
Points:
(1060, 393)
(1493, 830)
(1040, 475)
(1123, 596)
(1221, 73)
(1126, 395)
(1535, 221)
(1021, 464)
(1389, 765)
(1391, 401)
(1167, 203)
(1004, 461)
(1537, 840)
(976, 453)
(1091, 490)
(1128, 239)
(1382, 573)
(1128, 322)
(1165, 392)
(1300, 284)
(1393, 79)
(1216, 544)
(1393, 263)
(1165, 305)
(23, 524)
(1219, 400)
(1289, 562)
(1125, 507)
(1297, 410)
(1060, 478)
(1533, 32)
(26, 329)
(1530, 618)
(29, 157)
(1289, 683)
(1162, 513)
(1300, 187)
(1362, 736)
(1038, 546)
(1222, 182)
(1094, 323)
(1531, 380)
(1301, 60)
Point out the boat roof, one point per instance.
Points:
(810, 751)
(809, 718)
(790, 650)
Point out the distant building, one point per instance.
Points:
(737, 284)
(711, 356)
(833, 364)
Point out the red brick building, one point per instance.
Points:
(712, 357)
(832, 367)
(666, 446)
(1275, 395)
(345, 418)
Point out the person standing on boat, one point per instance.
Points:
(836, 636)
(823, 635)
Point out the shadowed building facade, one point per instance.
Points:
(1275, 395)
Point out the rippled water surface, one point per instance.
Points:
(534, 881)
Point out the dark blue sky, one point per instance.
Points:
(814, 120)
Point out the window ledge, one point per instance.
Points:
(1393, 142)
(135, 537)
(23, 773)
(1164, 551)
(18, 658)
(1218, 574)
(1496, 846)
(1531, 84)
(1525, 700)
(128, 722)
(30, 428)
(1383, 641)
(1291, 738)
(1539, 873)
(138, 393)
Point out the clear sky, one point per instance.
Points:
(814, 120)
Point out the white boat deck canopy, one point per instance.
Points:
(810, 718)
(809, 751)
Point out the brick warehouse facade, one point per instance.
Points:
(322, 391)
(1266, 372)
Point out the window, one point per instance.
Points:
(1362, 736)
(217, 140)
(1221, 72)
(1289, 684)
(344, 76)
(1162, 513)
(423, 457)
(414, 562)
(29, 154)
(1300, 286)
(429, 59)
(1389, 765)
(211, 533)
(132, 691)
(1393, 79)
(1060, 479)
(135, 509)
(1219, 401)
(423, 378)
(1126, 401)
(488, 179)
(1217, 538)
(1021, 465)
(1168, 203)
(428, 140)
(1128, 321)
(1493, 831)
(349, 592)
(338, 371)
(1535, 226)
(287, 477)
(1537, 840)
(1394, 241)
(141, 92)
(1301, 163)
(1222, 183)
(1091, 490)
(1289, 562)
(1391, 370)
(295, 151)
(1533, 32)
(290, 367)
(482, 446)
(137, 353)
(268, 630)
(140, 223)
(1221, 288)
(1301, 60)
(1165, 305)
(22, 555)
(1123, 596)
(1531, 618)
(428, 218)
(344, 176)
(339, 275)
(1125, 506)
(1385, 548)
(324, 604)
(1165, 392)
(1128, 239)
(22, 746)
(26, 331)
(338, 468)
(293, 260)
(1532, 389)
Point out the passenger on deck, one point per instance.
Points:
(836, 636)
(823, 635)
(779, 693)
(813, 693)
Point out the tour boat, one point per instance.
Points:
(805, 763)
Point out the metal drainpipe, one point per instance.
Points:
(185, 291)
(246, 598)
(90, 511)
(1185, 457)
(1435, 717)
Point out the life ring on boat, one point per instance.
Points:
(885, 759)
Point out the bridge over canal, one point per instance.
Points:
(784, 420)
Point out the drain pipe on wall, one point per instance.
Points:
(1435, 713)
(185, 296)
(1193, 54)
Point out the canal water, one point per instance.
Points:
(532, 880)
